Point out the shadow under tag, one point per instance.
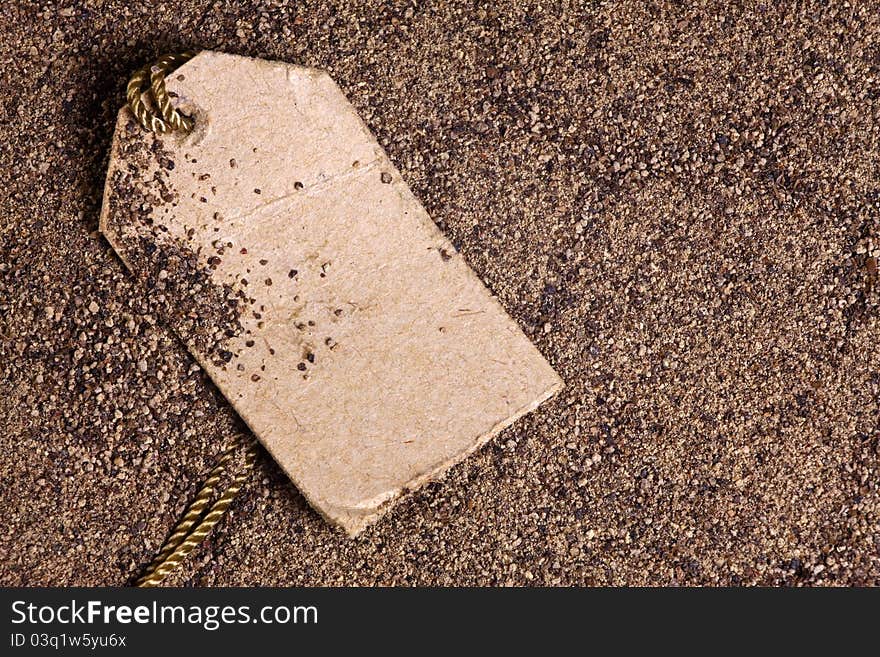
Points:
(312, 286)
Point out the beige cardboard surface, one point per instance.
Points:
(355, 341)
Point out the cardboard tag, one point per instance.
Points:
(312, 286)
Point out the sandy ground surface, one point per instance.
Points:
(681, 206)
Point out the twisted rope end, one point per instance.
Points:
(201, 516)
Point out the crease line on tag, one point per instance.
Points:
(310, 191)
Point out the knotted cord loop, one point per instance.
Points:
(168, 117)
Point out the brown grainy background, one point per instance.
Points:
(681, 206)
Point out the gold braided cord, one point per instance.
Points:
(196, 524)
(195, 510)
(154, 76)
(159, 70)
(140, 110)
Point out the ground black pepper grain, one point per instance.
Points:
(203, 314)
